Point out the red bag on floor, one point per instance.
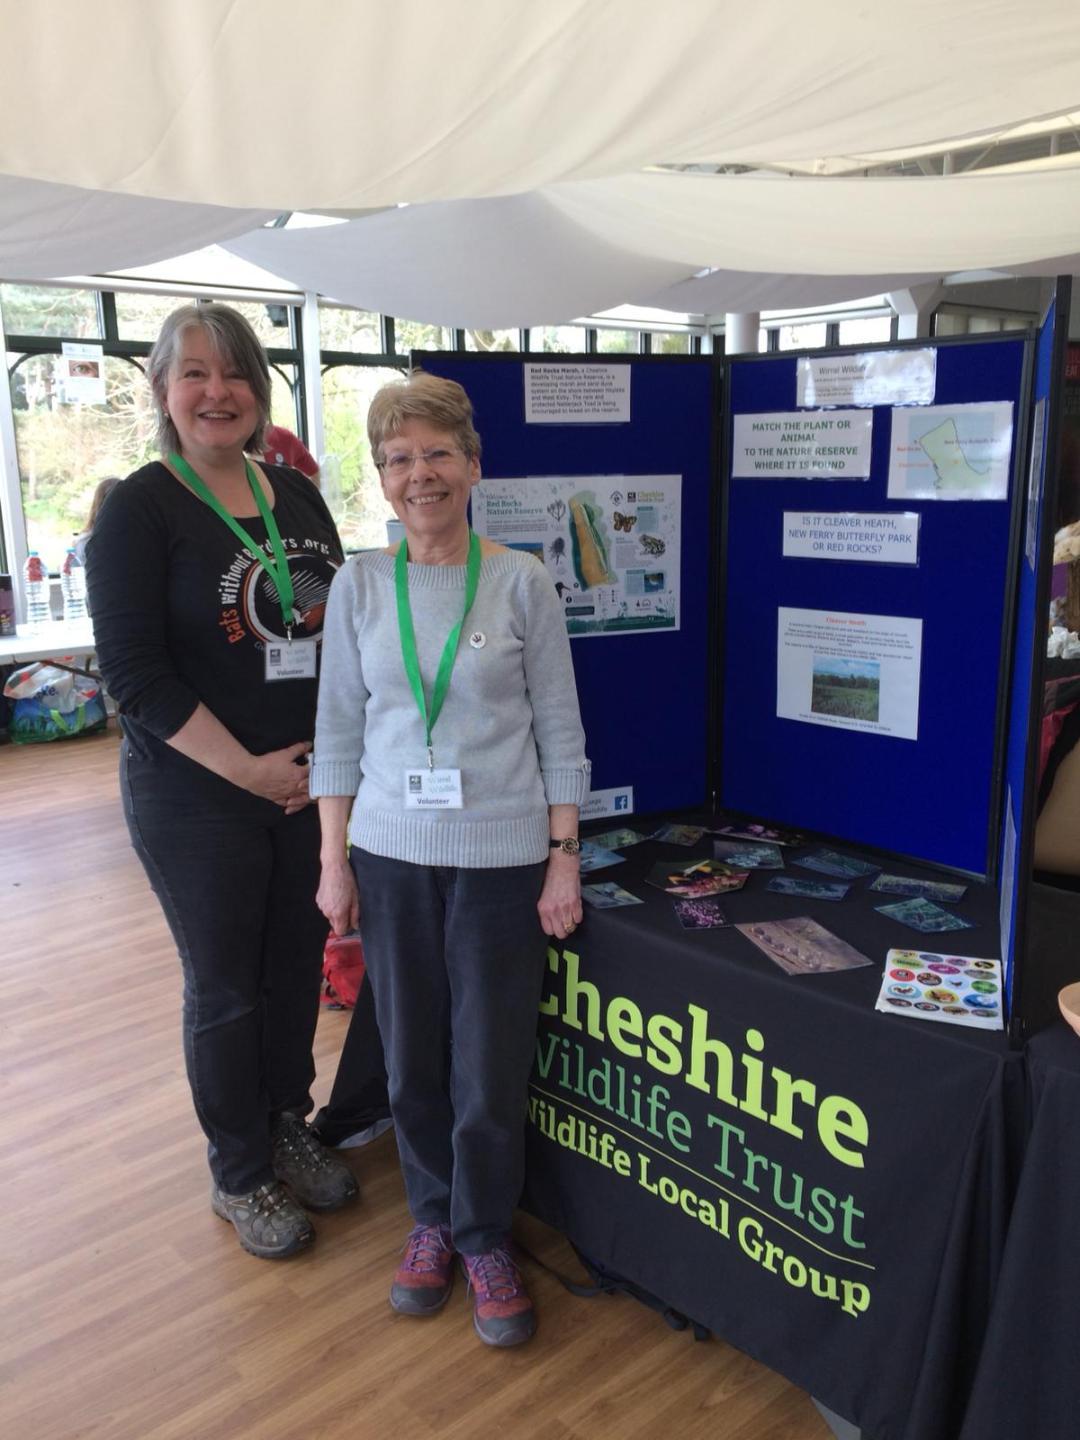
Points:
(343, 970)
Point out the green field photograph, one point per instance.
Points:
(850, 689)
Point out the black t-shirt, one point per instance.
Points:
(182, 611)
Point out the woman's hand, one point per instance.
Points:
(276, 776)
(559, 905)
(337, 896)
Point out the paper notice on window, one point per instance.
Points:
(577, 394)
(951, 452)
(848, 671)
(881, 539)
(611, 543)
(818, 445)
(879, 377)
(80, 374)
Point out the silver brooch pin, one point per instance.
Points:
(478, 640)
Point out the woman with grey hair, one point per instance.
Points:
(208, 578)
(449, 749)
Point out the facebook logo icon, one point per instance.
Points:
(620, 802)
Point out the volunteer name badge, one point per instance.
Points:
(295, 661)
(433, 790)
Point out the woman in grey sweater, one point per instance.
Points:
(449, 750)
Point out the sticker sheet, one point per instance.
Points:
(953, 989)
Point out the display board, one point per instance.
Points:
(603, 466)
(869, 501)
(1035, 543)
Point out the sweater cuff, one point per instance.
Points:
(334, 777)
(566, 787)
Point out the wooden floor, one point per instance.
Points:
(128, 1311)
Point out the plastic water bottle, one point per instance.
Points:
(73, 585)
(36, 592)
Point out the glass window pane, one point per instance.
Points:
(65, 448)
(671, 342)
(341, 328)
(264, 319)
(486, 340)
(866, 330)
(140, 317)
(617, 342)
(412, 335)
(563, 338)
(763, 341)
(350, 481)
(282, 396)
(50, 310)
(802, 337)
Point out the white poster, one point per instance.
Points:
(80, 374)
(878, 377)
(951, 452)
(577, 394)
(599, 804)
(611, 543)
(881, 539)
(854, 672)
(1036, 473)
(819, 445)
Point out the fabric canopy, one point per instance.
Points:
(514, 160)
(268, 104)
(48, 230)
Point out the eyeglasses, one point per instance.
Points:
(400, 464)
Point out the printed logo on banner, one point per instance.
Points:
(718, 1169)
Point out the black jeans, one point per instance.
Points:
(236, 879)
(456, 962)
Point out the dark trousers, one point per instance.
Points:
(236, 879)
(456, 962)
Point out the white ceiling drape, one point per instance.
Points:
(515, 140)
(269, 104)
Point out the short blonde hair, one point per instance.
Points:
(420, 396)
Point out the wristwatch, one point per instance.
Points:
(570, 846)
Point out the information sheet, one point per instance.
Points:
(951, 452)
(610, 543)
(577, 394)
(855, 672)
(818, 445)
(882, 539)
(878, 377)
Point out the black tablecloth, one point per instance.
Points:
(1028, 1382)
(697, 1124)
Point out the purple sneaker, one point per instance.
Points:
(503, 1313)
(425, 1277)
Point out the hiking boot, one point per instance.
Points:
(503, 1314)
(319, 1180)
(425, 1277)
(268, 1222)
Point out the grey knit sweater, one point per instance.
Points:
(510, 721)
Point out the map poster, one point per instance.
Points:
(852, 672)
(611, 543)
(951, 452)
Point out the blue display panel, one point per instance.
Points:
(932, 797)
(1035, 546)
(644, 697)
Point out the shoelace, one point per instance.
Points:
(494, 1276)
(299, 1142)
(268, 1198)
(424, 1249)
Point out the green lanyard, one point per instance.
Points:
(408, 637)
(278, 568)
